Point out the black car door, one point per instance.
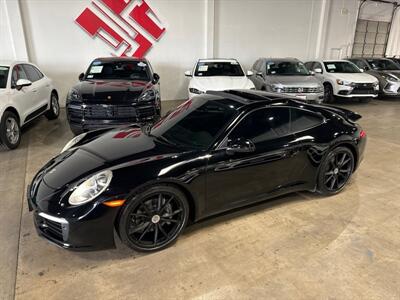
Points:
(254, 162)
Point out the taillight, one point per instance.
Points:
(363, 134)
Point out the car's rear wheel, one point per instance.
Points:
(10, 131)
(335, 171)
(329, 97)
(54, 110)
(154, 218)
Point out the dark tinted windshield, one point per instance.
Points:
(3, 76)
(286, 68)
(382, 64)
(125, 70)
(195, 123)
(341, 67)
(230, 68)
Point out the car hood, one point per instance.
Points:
(113, 148)
(112, 90)
(354, 77)
(294, 81)
(221, 83)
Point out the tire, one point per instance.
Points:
(335, 171)
(154, 218)
(10, 131)
(328, 93)
(54, 110)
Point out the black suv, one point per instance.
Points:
(114, 91)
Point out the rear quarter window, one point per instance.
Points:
(302, 120)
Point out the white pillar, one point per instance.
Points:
(12, 36)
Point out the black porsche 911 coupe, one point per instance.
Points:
(213, 153)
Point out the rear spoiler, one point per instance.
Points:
(345, 113)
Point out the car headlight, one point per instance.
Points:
(195, 91)
(390, 77)
(73, 142)
(91, 188)
(320, 89)
(147, 95)
(74, 95)
(344, 82)
(277, 88)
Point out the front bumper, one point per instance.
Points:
(311, 97)
(391, 89)
(360, 90)
(89, 229)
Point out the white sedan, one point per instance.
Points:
(217, 75)
(25, 94)
(344, 79)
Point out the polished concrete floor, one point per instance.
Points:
(302, 246)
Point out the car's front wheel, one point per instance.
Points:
(154, 218)
(329, 97)
(54, 110)
(335, 171)
(10, 131)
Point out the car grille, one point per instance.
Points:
(122, 113)
(296, 90)
(363, 88)
(52, 228)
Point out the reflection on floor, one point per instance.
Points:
(297, 247)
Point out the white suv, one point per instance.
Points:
(344, 79)
(217, 75)
(25, 94)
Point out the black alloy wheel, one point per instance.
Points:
(328, 93)
(335, 171)
(153, 219)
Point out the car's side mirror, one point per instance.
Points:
(250, 73)
(318, 71)
(81, 76)
(312, 72)
(240, 146)
(188, 74)
(156, 78)
(21, 83)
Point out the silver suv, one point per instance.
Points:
(289, 76)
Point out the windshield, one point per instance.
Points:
(195, 123)
(382, 64)
(3, 76)
(341, 67)
(218, 68)
(286, 68)
(125, 70)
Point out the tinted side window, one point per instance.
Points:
(309, 65)
(263, 124)
(317, 65)
(359, 63)
(40, 74)
(17, 73)
(31, 73)
(302, 120)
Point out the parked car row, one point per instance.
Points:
(116, 91)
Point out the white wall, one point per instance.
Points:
(242, 29)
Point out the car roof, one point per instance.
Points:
(249, 98)
(117, 58)
(281, 59)
(217, 60)
(9, 63)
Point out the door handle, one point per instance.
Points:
(34, 91)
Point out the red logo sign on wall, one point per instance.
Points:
(121, 24)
